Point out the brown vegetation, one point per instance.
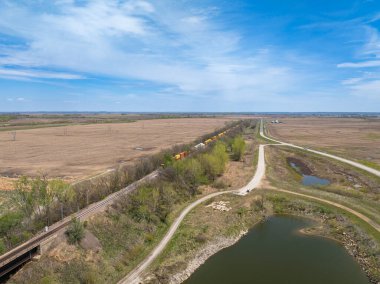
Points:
(78, 151)
(356, 138)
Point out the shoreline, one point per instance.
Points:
(220, 243)
(203, 255)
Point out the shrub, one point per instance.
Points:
(75, 231)
(219, 184)
(2, 247)
(9, 221)
(215, 162)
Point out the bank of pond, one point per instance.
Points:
(275, 251)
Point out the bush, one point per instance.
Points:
(219, 184)
(9, 221)
(2, 247)
(75, 231)
(215, 162)
(238, 148)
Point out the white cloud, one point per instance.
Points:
(363, 64)
(368, 89)
(19, 99)
(160, 41)
(23, 73)
(369, 53)
(351, 81)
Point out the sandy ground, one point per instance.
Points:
(350, 137)
(74, 152)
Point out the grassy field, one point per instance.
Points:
(348, 186)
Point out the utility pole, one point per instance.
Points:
(61, 211)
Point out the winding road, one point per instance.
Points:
(135, 275)
(352, 163)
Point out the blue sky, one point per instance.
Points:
(181, 55)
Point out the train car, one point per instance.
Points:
(180, 156)
(208, 141)
(183, 154)
(177, 157)
(199, 146)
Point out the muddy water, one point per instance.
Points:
(275, 252)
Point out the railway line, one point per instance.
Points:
(27, 250)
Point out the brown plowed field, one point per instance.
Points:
(78, 151)
(356, 138)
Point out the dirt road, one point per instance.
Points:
(356, 213)
(352, 163)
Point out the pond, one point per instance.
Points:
(307, 178)
(276, 252)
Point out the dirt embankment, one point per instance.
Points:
(200, 258)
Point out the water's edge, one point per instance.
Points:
(220, 243)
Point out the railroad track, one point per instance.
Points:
(57, 227)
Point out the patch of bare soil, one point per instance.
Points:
(90, 242)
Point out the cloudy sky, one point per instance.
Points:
(189, 55)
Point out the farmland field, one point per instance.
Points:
(356, 138)
(78, 151)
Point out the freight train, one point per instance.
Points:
(199, 146)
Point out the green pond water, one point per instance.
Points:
(275, 252)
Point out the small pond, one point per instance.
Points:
(307, 178)
(275, 252)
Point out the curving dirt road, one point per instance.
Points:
(356, 213)
(352, 163)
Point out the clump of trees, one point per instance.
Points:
(40, 197)
(237, 148)
(75, 231)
